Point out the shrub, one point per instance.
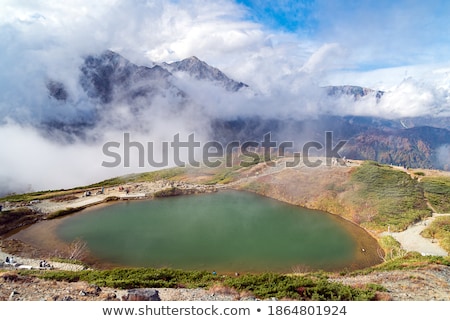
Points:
(439, 229)
(437, 191)
(391, 247)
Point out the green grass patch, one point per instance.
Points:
(391, 247)
(224, 176)
(410, 261)
(437, 191)
(263, 286)
(134, 278)
(270, 285)
(387, 197)
(28, 197)
(439, 229)
(257, 187)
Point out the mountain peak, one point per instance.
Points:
(193, 64)
(193, 58)
(200, 70)
(107, 75)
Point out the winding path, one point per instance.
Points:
(411, 240)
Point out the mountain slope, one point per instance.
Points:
(373, 139)
(109, 77)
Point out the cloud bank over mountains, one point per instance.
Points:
(45, 39)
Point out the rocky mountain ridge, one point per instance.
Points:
(108, 79)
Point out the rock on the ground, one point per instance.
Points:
(141, 295)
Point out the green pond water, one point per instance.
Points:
(226, 231)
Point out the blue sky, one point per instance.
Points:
(380, 33)
(290, 16)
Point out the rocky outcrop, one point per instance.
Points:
(57, 90)
(355, 91)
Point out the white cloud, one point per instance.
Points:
(328, 57)
(416, 98)
(31, 162)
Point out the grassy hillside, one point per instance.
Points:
(372, 195)
(387, 197)
(437, 191)
(170, 173)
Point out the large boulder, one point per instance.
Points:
(142, 295)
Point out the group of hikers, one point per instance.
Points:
(9, 260)
(42, 263)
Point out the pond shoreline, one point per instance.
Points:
(44, 237)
